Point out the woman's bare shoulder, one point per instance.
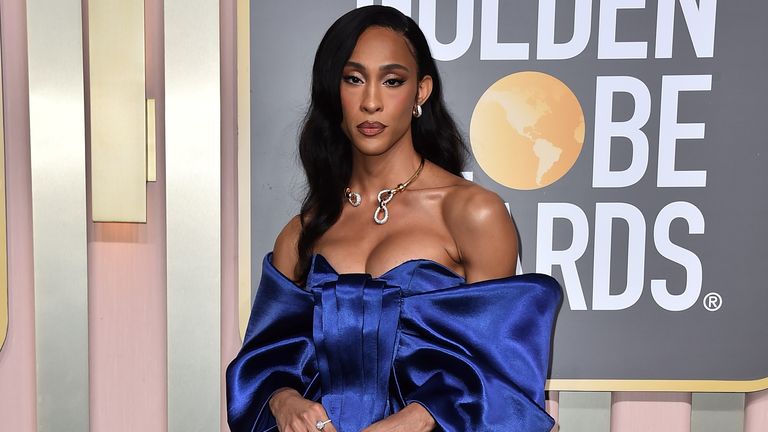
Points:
(285, 253)
(483, 231)
(470, 203)
(468, 207)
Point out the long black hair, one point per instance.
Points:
(325, 151)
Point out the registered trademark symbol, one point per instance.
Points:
(712, 301)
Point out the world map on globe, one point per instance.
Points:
(527, 130)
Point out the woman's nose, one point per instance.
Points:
(371, 100)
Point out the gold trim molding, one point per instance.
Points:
(243, 163)
(692, 386)
(151, 141)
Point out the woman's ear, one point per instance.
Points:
(424, 90)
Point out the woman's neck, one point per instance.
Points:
(371, 174)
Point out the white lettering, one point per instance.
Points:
(670, 130)
(607, 45)
(546, 48)
(546, 257)
(699, 16)
(605, 213)
(675, 253)
(403, 6)
(519, 267)
(464, 20)
(700, 20)
(490, 47)
(606, 129)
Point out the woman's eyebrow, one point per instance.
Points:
(393, 66)
(355, 65)
(384, 68)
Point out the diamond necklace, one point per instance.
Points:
(384, 197)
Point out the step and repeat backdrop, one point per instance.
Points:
(628, 139)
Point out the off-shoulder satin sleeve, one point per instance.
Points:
(277, 352)
(476, 355)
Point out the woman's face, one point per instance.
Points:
(379, 89)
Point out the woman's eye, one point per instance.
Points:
(352, 79)
(393, 82)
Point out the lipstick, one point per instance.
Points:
(370, 129)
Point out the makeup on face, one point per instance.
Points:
(378, 90)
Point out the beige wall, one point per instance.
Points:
(127, 281)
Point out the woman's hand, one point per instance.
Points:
(296, 414)
(412, 418)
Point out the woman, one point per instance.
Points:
(413, 348)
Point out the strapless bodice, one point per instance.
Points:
(474, 354)
(411, 277)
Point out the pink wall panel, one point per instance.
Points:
(17, 359)
(642, 412)
(230, 336)
(552, 405)
(127, 307)
(127, 326)
(756, 412)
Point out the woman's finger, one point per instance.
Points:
(313, 416)
(329, 427)
(299, 425)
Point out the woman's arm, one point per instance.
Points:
(292, 412)
(285, 253)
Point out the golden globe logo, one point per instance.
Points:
(527, 130)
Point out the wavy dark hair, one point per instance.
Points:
(325, 151)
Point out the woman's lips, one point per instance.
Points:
(371, 128)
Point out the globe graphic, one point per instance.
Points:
(527, 130)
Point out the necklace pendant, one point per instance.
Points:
(381, 220)
(385, 196)
(354, 198)
(381, 215)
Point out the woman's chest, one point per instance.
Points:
(416, 229)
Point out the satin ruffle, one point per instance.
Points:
(475, 355)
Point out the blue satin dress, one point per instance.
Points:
(475, 355)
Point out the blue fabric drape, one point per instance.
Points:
(475, 355)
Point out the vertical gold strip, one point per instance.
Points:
(244, 161)
(151, 141)
(193, 212)
(3, 220)
(118, 121)
(57, 151)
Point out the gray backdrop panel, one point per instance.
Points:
(643, 341)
